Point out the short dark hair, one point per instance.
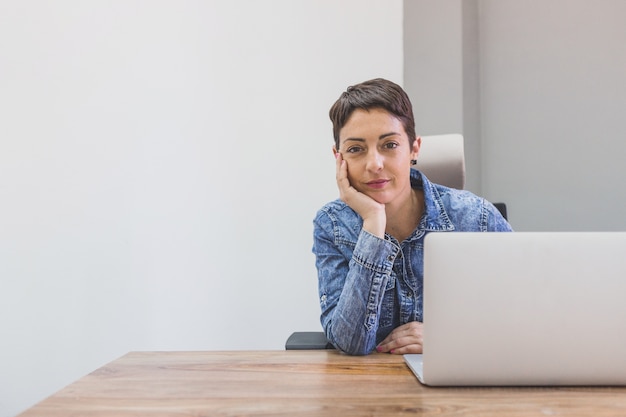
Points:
(377, 93)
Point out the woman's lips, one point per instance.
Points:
(377, 184)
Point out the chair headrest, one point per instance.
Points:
(442, 160)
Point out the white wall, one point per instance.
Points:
(441, 73)
(160, 166)
(553, 103)
(551, 91)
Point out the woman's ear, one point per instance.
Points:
(334, 152)
(417, 144)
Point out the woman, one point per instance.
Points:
(369, 243)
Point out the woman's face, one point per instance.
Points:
(377, 151)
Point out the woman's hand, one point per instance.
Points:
(407, 338)
(372, 212)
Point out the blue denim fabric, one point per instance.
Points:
(368, 286)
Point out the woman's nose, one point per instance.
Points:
(374, 161)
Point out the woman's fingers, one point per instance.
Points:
(407, 338)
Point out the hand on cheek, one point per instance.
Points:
(372, 212)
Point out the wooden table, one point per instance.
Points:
(300, 383)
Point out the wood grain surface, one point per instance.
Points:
(300, 383)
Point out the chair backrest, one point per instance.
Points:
(442, 160)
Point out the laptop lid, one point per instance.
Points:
(525, 308)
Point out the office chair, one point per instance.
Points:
(442, 160)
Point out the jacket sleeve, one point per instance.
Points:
(495, 221)
(351, 286)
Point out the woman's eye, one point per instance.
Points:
(390, 145)
(353, 149)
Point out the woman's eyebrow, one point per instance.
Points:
(386, 135)
(381, 137)
(354, 139)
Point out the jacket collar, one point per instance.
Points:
(435, 217)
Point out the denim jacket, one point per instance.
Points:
(368, 286)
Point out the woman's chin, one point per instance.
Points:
(381, 198)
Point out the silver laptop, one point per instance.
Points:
(523, 308)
